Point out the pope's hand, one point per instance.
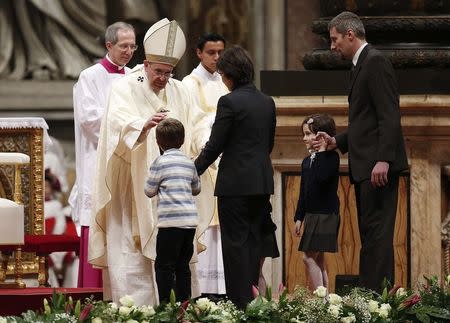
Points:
(154, 120)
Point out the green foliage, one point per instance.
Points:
(430, 303)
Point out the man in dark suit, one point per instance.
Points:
(243, 132)
(375, 146)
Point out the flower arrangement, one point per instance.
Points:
(430, 303)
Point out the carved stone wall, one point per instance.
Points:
(413, 34)
(49, 39)
(57, 39)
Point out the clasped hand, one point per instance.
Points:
(379, 175)
(323, 141)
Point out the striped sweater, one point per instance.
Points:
(174, 179)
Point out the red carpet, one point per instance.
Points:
(17, 301)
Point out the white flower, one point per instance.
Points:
(203, 303)
(213, 307)
(147, 310)
(384, 310)
(349, 319)
(335, 299)
(373, 306)
(131, 321)
(63, 317)
(400, 292)
(96, 320)
(334, 310)
(47, 309)
(385, 306)
(3, 320)
(320, 292)
(123, 310)
(112, 309)
(127, 301)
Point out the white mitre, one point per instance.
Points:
(164, 42)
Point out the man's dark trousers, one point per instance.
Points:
(377, 209)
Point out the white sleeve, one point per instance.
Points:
(89, 104)
(200, 124)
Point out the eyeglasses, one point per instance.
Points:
(124, 47)
(160, 73)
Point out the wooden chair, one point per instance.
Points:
(12, 237)
(12, 222)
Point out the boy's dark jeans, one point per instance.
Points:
(174, 249)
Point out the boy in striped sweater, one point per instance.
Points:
(174, 179)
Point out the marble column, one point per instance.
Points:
(275, 35)
(257, 38)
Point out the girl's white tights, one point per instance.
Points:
(315, 267)
(261, 281)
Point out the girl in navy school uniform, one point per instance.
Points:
(318, 203)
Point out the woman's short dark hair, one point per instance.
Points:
(236, 64)
(170, 133)
(320, 122)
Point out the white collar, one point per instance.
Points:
(358, 52)
(109, 60)
(201, 71)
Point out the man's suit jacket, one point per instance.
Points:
(243, 132)
(374, 131)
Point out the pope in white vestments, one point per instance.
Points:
(123, 235)
(206, 87)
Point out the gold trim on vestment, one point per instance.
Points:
(171, 37)
(161, 59)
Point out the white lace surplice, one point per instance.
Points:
(90, 96)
